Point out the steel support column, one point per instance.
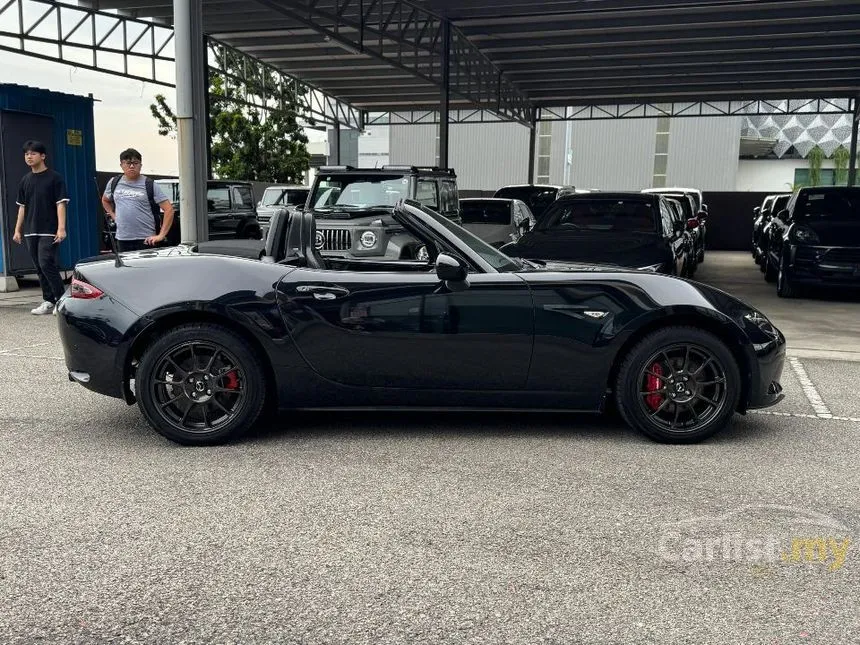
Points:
(445, 93)
(852, 160)
(192, 137)
(532, 144)
(336, 144)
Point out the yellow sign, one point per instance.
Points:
(74, 137)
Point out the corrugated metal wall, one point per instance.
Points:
(611, 155)
(413, 144)
(77, 163)
(485, 156)
(703, 152)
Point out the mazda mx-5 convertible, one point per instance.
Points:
(204, 342)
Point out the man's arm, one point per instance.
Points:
(108, 207)
(19, 225)
(166, 223)
(61, 222)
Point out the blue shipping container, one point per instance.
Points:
(25, 112)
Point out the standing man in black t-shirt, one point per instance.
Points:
(42, 200)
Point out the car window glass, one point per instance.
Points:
(601, 215)
(218, 199)
(536, 198)
(427, 193)
(448, 197)
(360, 191)
(242, 198)
(831, 205)
(666, 217)
(486, 212)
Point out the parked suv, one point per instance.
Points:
(275, 197)
(815, 241)
(537, 197)
(230, 209)
(353, 208)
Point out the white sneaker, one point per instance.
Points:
(44, 309)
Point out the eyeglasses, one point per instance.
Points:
(131, 163)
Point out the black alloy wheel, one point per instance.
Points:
(679, 384)
(200, 384)
(785, 288)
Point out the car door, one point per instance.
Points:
(407, 330)
(222, 220)
(777, 227)
(673, 237)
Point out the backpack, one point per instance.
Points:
(150, 193)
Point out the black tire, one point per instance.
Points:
(770, 273)
(639, 412)
(785, 288)
(161, 395)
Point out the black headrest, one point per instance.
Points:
(277, 235)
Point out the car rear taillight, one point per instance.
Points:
(84, 290)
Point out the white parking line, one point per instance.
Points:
(809, 390)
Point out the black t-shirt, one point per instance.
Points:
(39, 193)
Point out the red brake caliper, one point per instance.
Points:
(231, 380)
(653, 384)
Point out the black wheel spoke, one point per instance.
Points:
(686, 359)
(173, 400)
(185, 414)
(225, 390)
(660, 409)
(718, 381)
(650, 392)
(178, 369)
(703, 366)
(677, 414)
(713, 404)
(208, 368)
(668, 361)
(655, 375)
(692, 410)
(165, 382)
(206, 423)
(223, 409)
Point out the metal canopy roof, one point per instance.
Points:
(509, 56)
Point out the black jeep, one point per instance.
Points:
(353, 208)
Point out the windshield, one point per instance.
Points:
(780, 203)
(830, 205)
(170, 188)
(485, 212)
(284, 197)
(499, 261)
(359, 191)
(538, 198)
(633, 215)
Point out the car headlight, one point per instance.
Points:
(760, 320)
(368, 239)
(805, 235)
(654, 268)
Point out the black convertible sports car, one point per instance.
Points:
(203, 342)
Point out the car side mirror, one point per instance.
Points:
(783, 214)
(451, 271)
(525, 226)
(703, 215)
(692, 223)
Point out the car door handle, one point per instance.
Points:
(323, 292)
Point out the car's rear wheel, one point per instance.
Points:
(678, 385)
(770, 272)
(200, 384)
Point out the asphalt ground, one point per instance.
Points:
(451, 528)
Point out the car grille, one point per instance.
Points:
(847, 256)
(806, 254)
(334, 239)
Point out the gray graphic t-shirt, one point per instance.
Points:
(134, 220)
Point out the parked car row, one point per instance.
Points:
(809, 238)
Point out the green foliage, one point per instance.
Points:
(816, 157)
(253, 120)
(841, 158)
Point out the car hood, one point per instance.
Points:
(834, 233)
(621, 249)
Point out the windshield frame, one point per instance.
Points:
(454, 237)
(346, 179)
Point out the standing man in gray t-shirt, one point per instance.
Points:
(127, 201)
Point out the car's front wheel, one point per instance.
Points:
(785, 287)
(200, 384)
(678, 385)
